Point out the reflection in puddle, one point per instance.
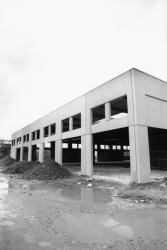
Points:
(44, 244)
(7, 223)
(99, 228)
(79, 193)
(87, 195)
(4, 186)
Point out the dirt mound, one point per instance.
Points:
(7, 161)
(48, 170)
(20, 167)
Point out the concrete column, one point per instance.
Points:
(21, 153)
(41, 152)
(87, 155)
(30, 153)
(107, 111)
(58, 151)
(70, 123)
(49, 130)
(139, 154)
(13, 152)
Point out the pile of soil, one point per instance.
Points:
(7, 161)
(20, 167)
(48, 170)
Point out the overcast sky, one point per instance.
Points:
(52, 51)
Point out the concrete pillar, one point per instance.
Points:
(58, 151)
(49, 130)
(139, 154)
(41, 152)
(21, 154)
(107, 111)
(70, 123)
(13, 152)
(30, 153)
(87, 155)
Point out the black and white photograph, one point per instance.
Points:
(83, 124)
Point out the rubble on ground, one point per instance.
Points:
(48, 170)
(20, 167)
(7, 161)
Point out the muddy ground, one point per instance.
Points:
(69, 214)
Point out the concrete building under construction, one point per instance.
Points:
(120, 123)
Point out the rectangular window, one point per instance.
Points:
(38, 134)
(98, 113)
(24, 138)
(118, 147)
(74, 145)
(65, 145)
(27, 137)
(53, 128)
(65, 125)
(119, 107)
(33, 136)
(76, 121)
(46, 131)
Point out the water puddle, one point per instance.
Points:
(4, 187)
(99, 228)
(87, 195)
(44, 244)
(7, 223)
(80, 193)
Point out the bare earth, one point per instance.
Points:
(67, 214)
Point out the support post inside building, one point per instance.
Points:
(58, 151)
(87, 155)
(139, 154)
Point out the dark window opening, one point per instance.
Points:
(38, 134)
(53, 129)
(33, 135)
(27, 137)
(98, 113)
(119, 107)
(65, 125)
(76, 121)
(46, 131)
(24, 138)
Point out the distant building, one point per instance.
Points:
(122, 123)
(5, 142)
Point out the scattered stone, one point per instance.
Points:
(79, 183)
(163, 185)
(89, 185)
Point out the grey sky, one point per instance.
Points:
(54, 51)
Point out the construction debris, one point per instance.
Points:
(48, 170)
(20, 167)
(7, 161)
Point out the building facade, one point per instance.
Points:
(119, 121)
